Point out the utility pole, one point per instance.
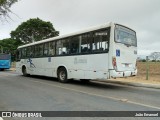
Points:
(147, 67)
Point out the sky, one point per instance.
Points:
(69, 16)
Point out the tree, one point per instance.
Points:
(10, 45)
(5, 8)
(34, 30)
(155, 56)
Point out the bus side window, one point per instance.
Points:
(41, 50)
(51, 48)
(28, 51)
(24, 52)
(58, 47)
(65, 46)
(36, 51)
(86, 43)
(32, 51)
(74, 45)
(101, 41)
(46, 49)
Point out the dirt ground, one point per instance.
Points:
(153, 76)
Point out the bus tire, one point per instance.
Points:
(2, 69)
(62, 75)
(24, 71)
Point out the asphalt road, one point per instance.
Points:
(37, 93)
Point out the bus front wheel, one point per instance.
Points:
(62, 75)
(24, 71)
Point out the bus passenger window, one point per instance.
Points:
(52, 48)
(36, 51)
(101, 39)
(86, 43)
(41, 50)
(23, 52)
(32, 52)
(74, 45)
(65, 47)
(46, 49)
(28, 51)
(62, 47)
(59, 47)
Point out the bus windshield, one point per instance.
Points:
(4, 56)
(125, 36)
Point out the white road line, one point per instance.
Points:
(109, 97)
(145, 105)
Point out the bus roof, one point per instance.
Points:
(68, 35)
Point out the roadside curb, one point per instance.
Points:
(146, 85)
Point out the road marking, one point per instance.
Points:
(145, 105)
(102, 96)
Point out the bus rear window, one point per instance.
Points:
(4, 57)
(125, 36)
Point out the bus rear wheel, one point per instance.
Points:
(62, 75)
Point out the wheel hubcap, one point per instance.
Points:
(62, 75)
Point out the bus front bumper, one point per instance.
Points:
(116, 74)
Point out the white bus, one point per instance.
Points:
(101, 52)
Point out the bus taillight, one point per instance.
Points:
(114, 63)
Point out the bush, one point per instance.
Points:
(143, 60)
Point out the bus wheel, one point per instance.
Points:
(62, 75)
(24, 71)
(2, 69)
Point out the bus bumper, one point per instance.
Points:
(116, 74)
(4, 67)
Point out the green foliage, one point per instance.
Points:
(143, 60)
(153, 60)
(10, 45)
(34, 30)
